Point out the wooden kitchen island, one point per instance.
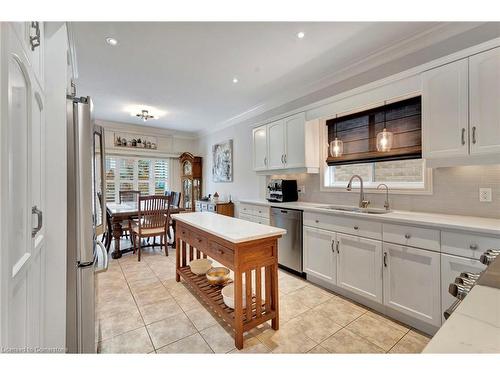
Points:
(250, 250)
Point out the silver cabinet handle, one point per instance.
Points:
(474, 135)
(356, 227)
(473, 246)
(385, 259)
(265, 161)
(35, 40)
(407, 236)
(333, 246)
(39, 214)
(463, 136)
(284, 157)
(338, 247)
(102, 266)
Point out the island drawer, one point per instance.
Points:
(221, 253)
(467, 245)
(198, 241)
(349, 225)
(412, 236)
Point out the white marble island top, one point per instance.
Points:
(228, 228)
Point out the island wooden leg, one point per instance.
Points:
(275, 323)
(238, 310)
(117, 233)
(177, 243)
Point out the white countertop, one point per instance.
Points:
(229, 228)
(474, 327)
(453, 222)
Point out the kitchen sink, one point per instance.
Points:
(375, 211)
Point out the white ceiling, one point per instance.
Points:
(186, 69)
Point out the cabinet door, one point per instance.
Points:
(259, 136)
(445, 114)
(484, 80)
(295, 141)
(451, 267)
(359, 266)
(276, 145)
(320, 258)
(412, 282)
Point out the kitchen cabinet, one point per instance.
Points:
(451, 267)
(254, 213)
(290, 145)
(412, 282)
(320, 256)
(222, 208)
(444, 106)
(484, 83)
(32, 36)
(359, 266)
(276, 145)
(461, 116)
(259, 136)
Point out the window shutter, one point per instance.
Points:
(359, 131)
(160, 176)
(110, 179)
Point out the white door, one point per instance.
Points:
(451, 267)
(320, 256)
(31, 35)
(445, 105)
(259, 136)
(23, 200)
(276, 144)
(359, 266)
(295, 141)
(412, 282)
(484, 80)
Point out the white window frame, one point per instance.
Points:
(395, 187)
(135, 181)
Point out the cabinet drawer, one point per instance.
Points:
(412, 236)
(467, 245)
(246, 217)
(211, 207)
(262, 211)
(262, 220)
(221, 253)
(246, 209)
(198, 241)
(350, 225)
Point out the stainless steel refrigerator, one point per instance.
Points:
(86, 219)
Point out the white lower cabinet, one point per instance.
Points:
(412, 282)
(451, 267)
(359, 266)
(320, 257)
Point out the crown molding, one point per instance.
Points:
(404, 47)
(145, 129)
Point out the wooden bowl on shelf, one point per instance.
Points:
(218, 275)
(200, 266)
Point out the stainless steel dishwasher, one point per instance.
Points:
(290, 245)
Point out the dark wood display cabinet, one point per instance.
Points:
(190, 179)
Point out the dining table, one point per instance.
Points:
(122, 212)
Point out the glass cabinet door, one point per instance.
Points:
(187, 187)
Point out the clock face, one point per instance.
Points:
(188, 168)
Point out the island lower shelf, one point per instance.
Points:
(255, 267)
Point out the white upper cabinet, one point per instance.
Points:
(484, 78)
(444, 107)
(412, 282)
(359, 266)
(320, 257)
(260, 159)
(461, 115)
(276, 145)
(292, 145)
(295, 145)
(31, 35)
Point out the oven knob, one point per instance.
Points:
(470, 275)
(487, 258)
(464, 281)
(459, 290)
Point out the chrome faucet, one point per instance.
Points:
(363, 203)
(386, 204)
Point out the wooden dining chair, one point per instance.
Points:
(153, 219)
(128, 195)
(175, 200)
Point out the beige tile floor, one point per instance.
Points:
(141, 309)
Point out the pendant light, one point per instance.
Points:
(336, 146)
(384, 138)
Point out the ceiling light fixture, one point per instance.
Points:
(111, 41)
(235, 80)
(144, 115)
(301, 34)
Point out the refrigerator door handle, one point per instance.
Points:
(102, 258)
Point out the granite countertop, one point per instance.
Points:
(453, 222)
(229, 228)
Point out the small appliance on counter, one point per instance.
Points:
(282, 191)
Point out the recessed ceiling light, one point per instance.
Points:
(235, 80)
(111, 41)
(301, 34)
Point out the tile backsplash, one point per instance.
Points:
(455, 191)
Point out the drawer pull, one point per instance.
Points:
(473, 246)
(407, 236)
(385, 259)
(356, 227)
(220, 251)
(316, 221)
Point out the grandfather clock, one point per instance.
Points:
(190, 179)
